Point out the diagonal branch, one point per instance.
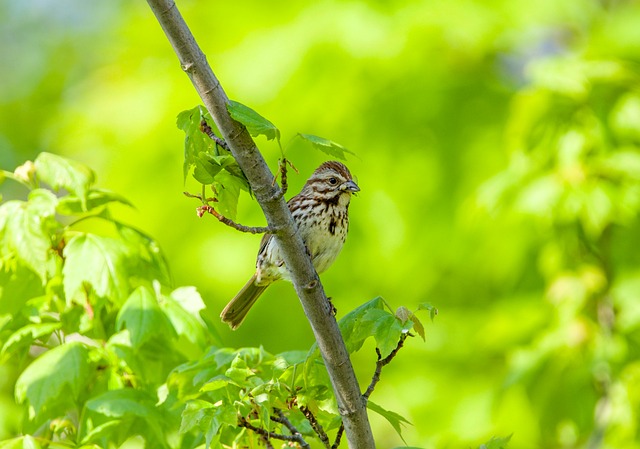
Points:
(243, 422)
(381, 363)
(351, 404)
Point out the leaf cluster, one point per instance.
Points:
(108, 349)
(211, 163)
(97, 311)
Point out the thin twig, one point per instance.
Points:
(205, 128)
(381, 363)
(282, 419)
(336, 443)
(206, 208)
(242, 422)
(316, 426)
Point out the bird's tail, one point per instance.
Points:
(236, 311)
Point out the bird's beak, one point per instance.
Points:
(350, 186)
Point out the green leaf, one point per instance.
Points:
(404, 314)
(326, 146)
(144, 258)
(23, 442)
(96, 198)
(239, 371)
(206, 168)
(122, 403)
(427, 306)
(254, 122)
(60, 172)
(55, 377)
(97, 261)
(227, 188)
(27, 334)
(384, 327)
(102, 431)
(25, 230)
(352, 326)
(18, 284)
(195, 141)
(142, 317)
(496, 443)
(394, 419)
(182, 308)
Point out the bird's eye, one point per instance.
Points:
(333, 181)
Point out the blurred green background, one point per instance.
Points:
(499, 167)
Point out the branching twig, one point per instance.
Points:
(316, 426)
(336, 443)
(282, 419)
(282, 170)
(243, 422)
(382, 362)
(205, 208)
(205, 128)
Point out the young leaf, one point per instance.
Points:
(195, 141)
(206, 168)
(54, 377)
(326, 146)
(351, 325)
(496, 443)
(404, 314)
(142, 317)
(186, 321)
(19, 284)
(96, 198)
(427, 306)
(98, 261)
(387, 330)
(227, 189)
(254, 122)
(25, 229)
(144, 256)
(394, 419)
(27, 334)
(60, 172)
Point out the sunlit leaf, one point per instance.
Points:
(195, 141)
(99, 262)
(25, 230)
(60, 172)
(143, 318)
(254, 122)
(351, 325)
(326, 146)
(56, 376)
(27, 334)
(181, 309)
(96, 198)
(496, 443)
(427, 306)
(227, 188)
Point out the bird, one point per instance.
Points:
(321, 213)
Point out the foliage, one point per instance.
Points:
(428, 93)
(214, 166)
(575, 170)
(118, 353)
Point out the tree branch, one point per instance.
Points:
(315, 425)
(381, 363)
(282, 419)
(243, 422)
(351, 404)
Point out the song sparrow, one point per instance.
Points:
(321, 212)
